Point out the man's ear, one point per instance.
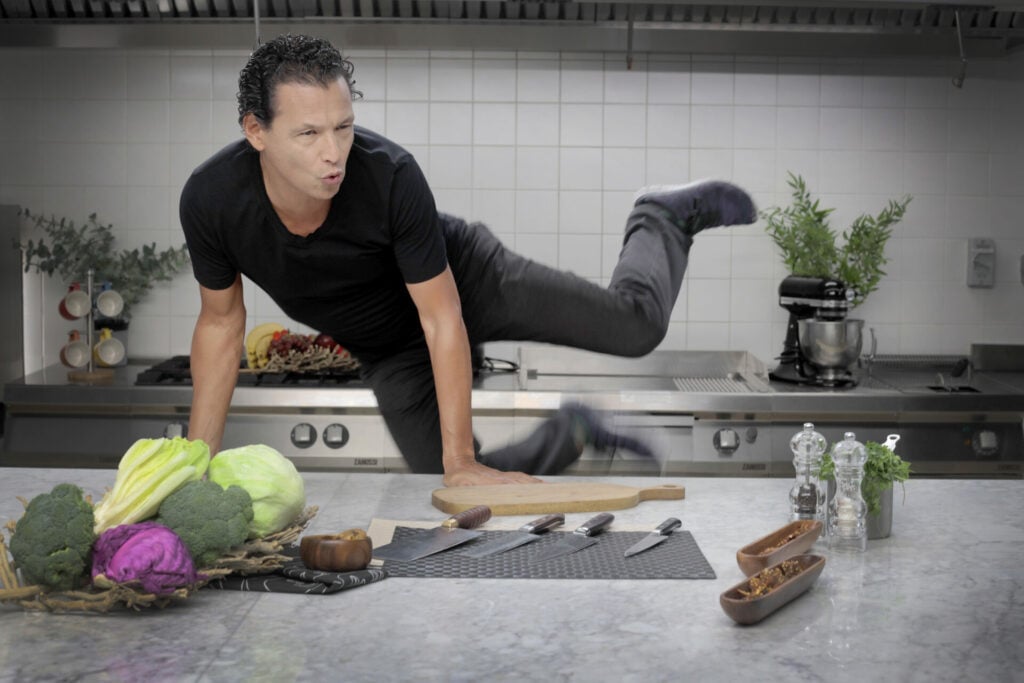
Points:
(253, 130)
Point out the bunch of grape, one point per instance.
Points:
(285, 342)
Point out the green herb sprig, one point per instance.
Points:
(802, 233)
(882, 469)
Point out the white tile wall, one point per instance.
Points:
(548, 148)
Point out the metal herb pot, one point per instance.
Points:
(880, 525)
(831, 343)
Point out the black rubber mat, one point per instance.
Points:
(678, 557)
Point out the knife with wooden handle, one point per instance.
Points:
(453, 531)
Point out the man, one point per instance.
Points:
(338, 225)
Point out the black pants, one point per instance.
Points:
(506, 297)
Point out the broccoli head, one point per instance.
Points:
(52, 542)
(208, 518)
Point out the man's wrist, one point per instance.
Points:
(454, 462)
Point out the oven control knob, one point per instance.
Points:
(303, 435)
(985, 443)
(726, 441)
(174, 429)
(335, 435)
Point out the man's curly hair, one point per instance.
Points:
(288, 59)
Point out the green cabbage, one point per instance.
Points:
(275, 486)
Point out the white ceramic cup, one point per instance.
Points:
(74, 305)
(108, 351)
(75, 354)
(109, 303)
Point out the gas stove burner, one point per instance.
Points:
(173, 371)
(176, 371)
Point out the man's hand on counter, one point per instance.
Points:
(472, 473)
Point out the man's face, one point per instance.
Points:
(304, 150)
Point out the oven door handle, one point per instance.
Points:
(642, 420)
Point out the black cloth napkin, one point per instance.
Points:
(295, 577)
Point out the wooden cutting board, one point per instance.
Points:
(527, 499)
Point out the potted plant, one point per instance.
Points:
(802, 233)
(70, 251)
(882, 469)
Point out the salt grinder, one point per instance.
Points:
(807, 497)
(847, 511)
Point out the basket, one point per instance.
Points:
(257, 556)
(311, 360)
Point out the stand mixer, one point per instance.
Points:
(821, 343)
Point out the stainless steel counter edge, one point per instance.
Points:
(116, 397)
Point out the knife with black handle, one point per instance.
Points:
(655, 537)
(528, 533)
(581, 537)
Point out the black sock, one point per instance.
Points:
(705, 204)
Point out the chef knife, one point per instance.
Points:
(453, 531)
(581, 537)
(526, 534)
(660, 533)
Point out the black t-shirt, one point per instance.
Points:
(347, 278)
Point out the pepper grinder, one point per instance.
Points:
(807, 497)
(847, 511)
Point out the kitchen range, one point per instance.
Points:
(707, 413)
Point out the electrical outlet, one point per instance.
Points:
(981, 262)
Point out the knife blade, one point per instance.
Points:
(527, 533)
(660, 533)
(581, 537)
(453, 531)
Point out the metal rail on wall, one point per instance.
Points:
(849, 27)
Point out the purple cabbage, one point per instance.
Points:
(147, 552)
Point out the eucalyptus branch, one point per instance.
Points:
(69, 252)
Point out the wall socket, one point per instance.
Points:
(981, 262)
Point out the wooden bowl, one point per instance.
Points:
(336, 552)
(763, 552)
(745, 610)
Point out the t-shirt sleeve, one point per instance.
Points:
(415, 226)
(210, 264)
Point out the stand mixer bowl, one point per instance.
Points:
(831, 344)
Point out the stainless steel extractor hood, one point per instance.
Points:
(884, 27)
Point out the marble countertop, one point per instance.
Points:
(939, 600)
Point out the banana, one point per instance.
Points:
(257, 342)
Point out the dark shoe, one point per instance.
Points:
(596, 434)
(704, 204)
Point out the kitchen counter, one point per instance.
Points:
(937, 601)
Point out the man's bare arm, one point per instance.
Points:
(437, 301)
(216, 353)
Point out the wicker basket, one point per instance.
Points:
(312, 360)
(258, 556)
